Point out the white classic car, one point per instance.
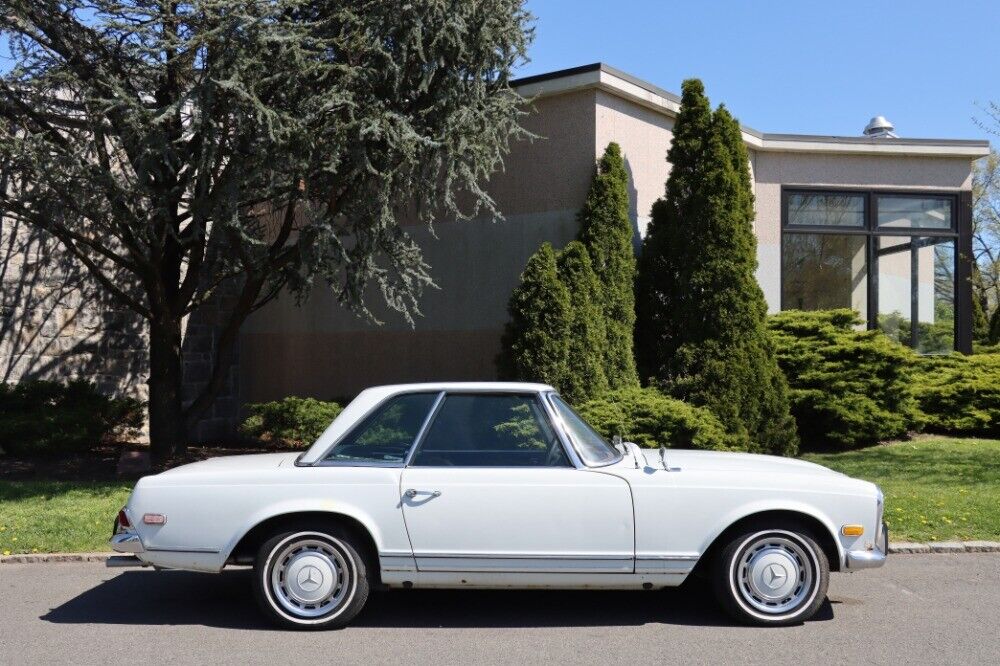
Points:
(487, 485)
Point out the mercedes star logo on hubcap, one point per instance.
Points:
(774, 576)
(310, 579)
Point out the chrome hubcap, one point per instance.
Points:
(774, 574)
(310, 577)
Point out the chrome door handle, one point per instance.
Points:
(413, 493)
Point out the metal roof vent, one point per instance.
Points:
(880, 128)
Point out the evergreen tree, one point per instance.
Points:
(980, 322)
(585, 377)
(535, 344)
(663, 279)
(173, 147)
(701, 330)
(994, 333)
(606, 231)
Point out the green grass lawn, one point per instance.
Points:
(58, 516)
(936, 488)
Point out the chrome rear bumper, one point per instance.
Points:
(126, 542)
(870, 559)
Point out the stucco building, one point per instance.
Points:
(877, 223)
(873, 222)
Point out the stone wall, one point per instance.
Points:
(54, 324)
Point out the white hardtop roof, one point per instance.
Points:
(609, 79)
(371, 397)
(389, 389)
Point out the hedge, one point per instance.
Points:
(850, 387)
(651, 419)
(45, 417)
(293, 421)
(960, 395)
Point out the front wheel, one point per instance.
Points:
(771, 576)
(310, 579)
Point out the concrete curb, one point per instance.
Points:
(40, 558)
(896, 548)
(907, 548)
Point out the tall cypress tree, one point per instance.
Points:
(663, 277)
(535, 345)
(701, 329)
(606, 231)
(585, 377)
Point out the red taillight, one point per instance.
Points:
(123, 519)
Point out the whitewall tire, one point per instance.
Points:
(771, 576)
(311, 578)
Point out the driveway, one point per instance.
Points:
(918, 609)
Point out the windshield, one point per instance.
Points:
(589, 444)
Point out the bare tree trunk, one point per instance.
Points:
(167, 433)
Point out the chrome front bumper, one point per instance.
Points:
(870, 559)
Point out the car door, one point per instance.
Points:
(490, 488)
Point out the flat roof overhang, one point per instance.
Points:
(599, 76)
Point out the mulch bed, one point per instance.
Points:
(101, 462)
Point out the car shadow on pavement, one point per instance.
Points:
(225, 600)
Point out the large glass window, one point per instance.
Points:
(914, 212)
(498, 430)
(387, 434)
(826, 209)
(890, 257)
(825, 271)
(916, 292)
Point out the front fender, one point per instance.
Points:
(748, 509)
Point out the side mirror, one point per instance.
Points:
(616, 441)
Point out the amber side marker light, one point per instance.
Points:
(852, 530)
(154, 519)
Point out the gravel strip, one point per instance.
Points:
(896, 548)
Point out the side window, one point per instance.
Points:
(387, 434)
(497, 430)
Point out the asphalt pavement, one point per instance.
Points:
(917, 609)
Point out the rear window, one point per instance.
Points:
(386, 434)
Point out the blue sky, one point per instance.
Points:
(801, 67)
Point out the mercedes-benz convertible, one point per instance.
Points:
(501, 485)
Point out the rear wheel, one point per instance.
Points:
(771, 576)
(311, 579)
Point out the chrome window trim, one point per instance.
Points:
(575, 462)
(565, 432)
(321, 460)
(422, 433)
(560, 429)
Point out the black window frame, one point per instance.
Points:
(960, 232)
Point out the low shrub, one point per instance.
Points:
(850, 387)
(651, 419)
(959, 394)
(292, 422)
(44, 417)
